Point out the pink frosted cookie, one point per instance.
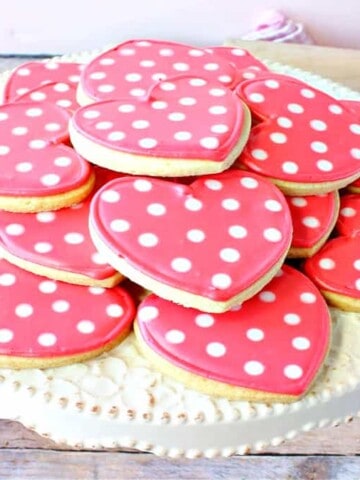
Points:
(348, 224)
(186, 126)
(49, 323)
(335, 270)
(57, 244)
(296, 144)
(61, 94)
(268, 349)
(129, 69)
(39, 171)
(313, 219)
(32, 75)
(207, 245)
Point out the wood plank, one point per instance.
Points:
(339, 64)
(49, 465)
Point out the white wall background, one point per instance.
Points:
(60, 26)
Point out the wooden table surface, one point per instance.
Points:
(326, 454)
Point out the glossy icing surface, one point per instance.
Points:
(32, 75)
(61, 94)
(34, 161)
(348, 223)
(325, 132)
(45, 318)
(129, 69)
(270, 343)
(336, 266)
(185, 117)
(58, 239)
(312, 217)
(215, 237)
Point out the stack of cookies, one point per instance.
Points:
(195, 174)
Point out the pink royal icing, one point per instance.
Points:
(61, 94)
(185, 117)
(58, 239)
(32, 75)
(44, 318)
(35, 162)
(336, 267)
(293, 113)
(215, 237)
(269, 343)
(348, 224)
(313, 218)
(129, 69)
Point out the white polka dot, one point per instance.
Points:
(19, 131)
(213, 184)
(301, 343)
(181, 67)
(272, 84)
(193, 204)
(61, 87)
(3, 116)
(217, 92)
(175, 336)
(289, 167)
(195, 235)
(24, 310)
(357, 284)
(34, 112)
(348, 212)
(23, 167)
(126, 52)
(204, 320)
(52, 127)
(209, 143)
(97, 75)
(156, 209)
(116, 136)
(4, 149)
(60, 306)
(140, 124)
(255, 334)
(166, 52)
(14, 229)
(355, 153)
(91, 114)
(98, 259)
(47, 287)
(218, 110)
(110, 196)
(103, 125)
(74, 238)
(45, 217)
(267, 296)
(318, 147)
(237, 231)
(229, 255)
(115, 311)
(47, 339)
(147, 63)
(278, 137)
(272, 235)
(126, 108)
(6, 335)
(230, 204)
(324, 165)
(299, 201)
(64, 103)
(238, 52)
(219, 128)
(148, 240)
(137, 92)
(37, 144)
(249, 183)
(259, 154)
(307, 93)
(38, 96)
(187, 101)
(356, 264)
(336, 109)
(106, 88)
(62, 161)
(51, 65)
(167, 86)
(327, 264)
(176, 116)
(196, 53)
(256, 97)
(7, 279)
(50, 179)
(215, 349)
(293, 372)
(147, 313)
(308, 297)
(318, 125)
(273, 206)
(181, 265)
(85, 327)
(310, 222)
(159, 105)
(197, 82)
(284, 122)
(148, 143)
(23, 72)
(295, 108)
(221, 281)
(211, 67)
(254, 368)
(133, 77)
(43, 247)
(182, 136)
(109, 61)
(142, 185)
(355, 128)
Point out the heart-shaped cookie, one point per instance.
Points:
(210, 244)
(57, 244)
(348, 224)
(45, 323)
(335, 269)
(129, 69)
(31, 75)
(306, 142)
(37, 171)
(268, 349)
(186, 126)
(313, 217)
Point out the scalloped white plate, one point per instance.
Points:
(119, 400)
